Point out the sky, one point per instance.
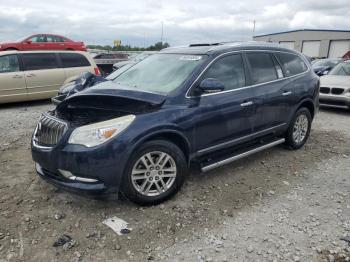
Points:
(139, 23)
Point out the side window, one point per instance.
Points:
(50, 39)
(38, 39)
(292, 64)
(73, 60)
(229, 70)
(9, 63)
(262, 66)
(37, 61)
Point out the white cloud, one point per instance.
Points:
(138, 22)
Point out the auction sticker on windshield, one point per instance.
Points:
(190, 57)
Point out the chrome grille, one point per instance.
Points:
(49, 131)
(337, 91)
(325, 90)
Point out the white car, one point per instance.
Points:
(34, 75)
(335, 87)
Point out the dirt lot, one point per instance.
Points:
(278, 205)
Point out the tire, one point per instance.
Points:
(162, 182)
(297, 133)
(11, 49)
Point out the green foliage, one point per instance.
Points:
(156, 47)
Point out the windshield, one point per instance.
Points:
(119, 71)
(342, 69)
(21, 39)
(160, 73)
(326, 62)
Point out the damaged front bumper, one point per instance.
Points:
(78, 169)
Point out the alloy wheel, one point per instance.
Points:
(153, 173)
(300, 128)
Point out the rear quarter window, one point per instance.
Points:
(37, 61)
(292, 64)
(73, 60)
(262, 67)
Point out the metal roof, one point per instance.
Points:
(308, 30)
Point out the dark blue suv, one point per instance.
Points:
(201, 105)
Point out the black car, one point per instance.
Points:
(323, 66)
(201, 105)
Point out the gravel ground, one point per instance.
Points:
(278, 205)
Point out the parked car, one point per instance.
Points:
(134, 60)
(43, 42)
(335, 87)
(324, 66)
(105, 61)
(86, 80)
(32, 75)
(200, 106)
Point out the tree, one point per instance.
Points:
(156, 47)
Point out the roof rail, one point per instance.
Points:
(205, 44)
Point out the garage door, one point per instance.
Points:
(287, 44)
(311, 48)
(338, 48)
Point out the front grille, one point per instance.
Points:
(337, 91)
(49, 131)
(325, 90)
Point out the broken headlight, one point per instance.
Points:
(98, 133)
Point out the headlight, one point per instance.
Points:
(98, 133)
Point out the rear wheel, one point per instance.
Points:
(155, 172)
(299, 129)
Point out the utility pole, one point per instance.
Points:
(161, 36)
(253, 29)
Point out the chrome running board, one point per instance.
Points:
(242, 155)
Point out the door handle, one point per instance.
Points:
(17, 76)
(249, 103)
(287, 93)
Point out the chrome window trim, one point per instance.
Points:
(204, 150)
(245, 87)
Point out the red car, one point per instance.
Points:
(43, 42)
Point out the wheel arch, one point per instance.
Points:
(11, 48)
(172, 136)
(309, 104)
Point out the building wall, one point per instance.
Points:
(298, 37)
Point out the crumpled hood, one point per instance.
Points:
(335, 81)
(107, 100)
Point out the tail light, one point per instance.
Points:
(97, 71)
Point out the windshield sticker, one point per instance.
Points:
(190, 57)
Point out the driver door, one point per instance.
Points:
(225, 117)
(35, 43)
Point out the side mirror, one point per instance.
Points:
(211, 85)
(326, 71)
(29, 41)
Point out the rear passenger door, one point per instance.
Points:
(271, 107)
(74, 64)
(12, 83)
(43, 75)
(224, 118)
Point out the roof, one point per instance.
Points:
(39, 51)
(215, 48)
(307, 30)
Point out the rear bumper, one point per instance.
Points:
(341, 101)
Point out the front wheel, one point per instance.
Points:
(299, 129)
(155, 172)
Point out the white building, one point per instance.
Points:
(313, 43)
